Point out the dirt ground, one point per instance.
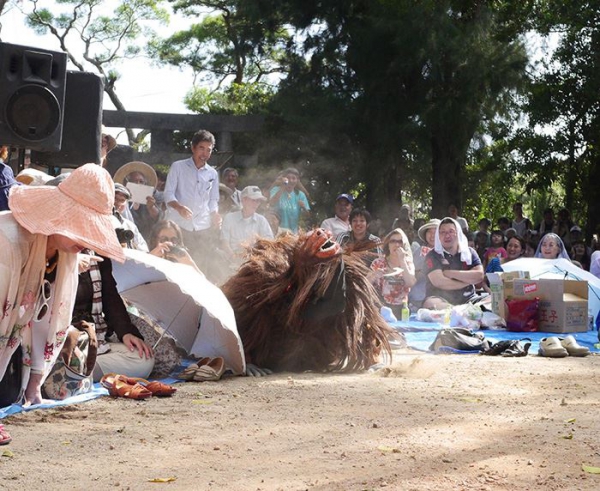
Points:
(456, 422)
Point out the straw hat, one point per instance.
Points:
(33, 177)
(136, 166)
(79, 208)
(433, 223)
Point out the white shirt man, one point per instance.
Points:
(341, 221)
(242, 228)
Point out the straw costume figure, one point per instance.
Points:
(300, 304)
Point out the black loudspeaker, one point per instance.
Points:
(32, 94)
(82, 126)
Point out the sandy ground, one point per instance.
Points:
(463, 422)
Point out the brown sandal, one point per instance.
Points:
(188, 373)
(160, 389)
(120, 386)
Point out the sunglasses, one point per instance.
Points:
(44, 297)
(164, 238)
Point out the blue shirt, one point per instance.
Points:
(289, 208)
(198, 189)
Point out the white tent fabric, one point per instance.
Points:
(180, 299)
(559, 268)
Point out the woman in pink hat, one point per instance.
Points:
(39, 242)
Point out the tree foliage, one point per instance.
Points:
(96, 36)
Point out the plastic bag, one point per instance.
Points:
(522, 314)
(466, 315)
(489, 320)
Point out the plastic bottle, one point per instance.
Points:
(405, 312)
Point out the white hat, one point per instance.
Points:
(253, 192)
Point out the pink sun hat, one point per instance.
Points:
(79, 208)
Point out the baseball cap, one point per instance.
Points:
(349, 197)
(575, 228)
(253, 192)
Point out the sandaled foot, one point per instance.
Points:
(5, 437)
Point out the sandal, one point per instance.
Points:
(158, 389)
(5, 437)
(119, 386)
(188, 373)
(211, 371)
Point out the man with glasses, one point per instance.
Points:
(452, 268)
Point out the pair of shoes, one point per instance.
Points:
(574, 348)
(555, 347)
(509, 348)
(5, 437)
(135, 388)
(204, 370)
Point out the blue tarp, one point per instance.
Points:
(420, 335)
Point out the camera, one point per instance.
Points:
(176, 251)
(286, 180)
(124, 236)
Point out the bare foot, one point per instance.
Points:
(33, 392)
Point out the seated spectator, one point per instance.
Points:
(452, 268)
(242, 228)
(166, 241)
(393, 275)
(426, 234)
(579, 255)
(230, 178)
(226, 203)
(121, 347)
(496, 249)
(147, 214)
(484, 224)
(481, 244)
(551, 247)
(274, 222)
(508, 233)
(7, 181)
(577, 235)
(289, 198)
(341, 221)
(530, 248)
(133, 239)
(515, 248)
(39, 242)
(359, 239)
(417, 224)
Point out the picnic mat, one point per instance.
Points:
(420, 335)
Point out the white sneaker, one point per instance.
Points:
(552, 348)
(574, 348)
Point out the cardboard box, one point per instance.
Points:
(563, 303)
(498, 285)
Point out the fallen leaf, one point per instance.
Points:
(383, 448)
(590, 469)
(66, 442)
(568, 437)
(572, 420)
(8, 453)
(202, 401)
(471, 399)
(163, 479)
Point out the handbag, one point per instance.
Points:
(71, 374)
(459, 338)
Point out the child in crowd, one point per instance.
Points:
(496, 248)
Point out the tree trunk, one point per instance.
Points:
(593, 201)
(447, 162)
(570, 171)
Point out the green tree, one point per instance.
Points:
(97, 39)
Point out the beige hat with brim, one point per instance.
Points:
(433, 223)
(79, 208)
(136, 166)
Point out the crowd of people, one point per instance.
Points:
(60, 236)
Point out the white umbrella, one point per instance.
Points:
(180, 299)
(558, 268)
